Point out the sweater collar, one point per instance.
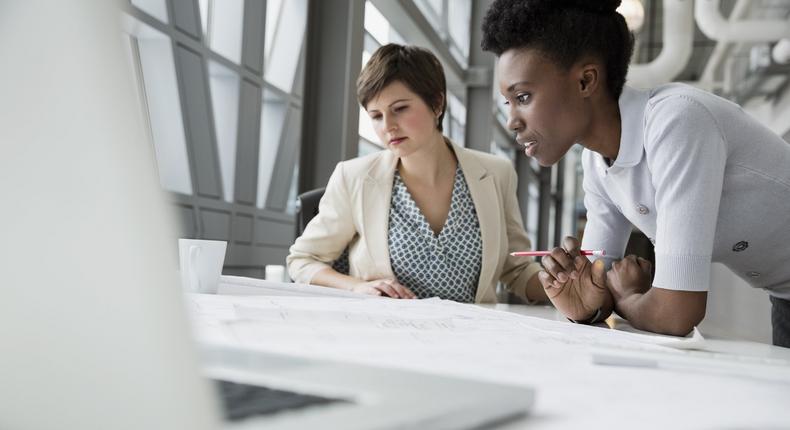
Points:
(632, 117)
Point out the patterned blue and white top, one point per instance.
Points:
(445, 266)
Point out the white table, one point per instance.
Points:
(722, 345)
(575, 392)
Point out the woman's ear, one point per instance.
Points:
(439, 106)
(589, 79)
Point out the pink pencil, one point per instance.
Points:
(597, 253)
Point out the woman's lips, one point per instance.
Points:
(397, 141)
(530, 147)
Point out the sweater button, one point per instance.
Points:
(740, 246)
(642, 209)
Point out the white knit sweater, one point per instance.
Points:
(703, 180)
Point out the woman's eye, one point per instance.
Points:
(375, 117)
(400, 108)
(522, 98)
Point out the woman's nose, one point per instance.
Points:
(389, 123)
(514, 123)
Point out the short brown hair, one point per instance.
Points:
(415, 67)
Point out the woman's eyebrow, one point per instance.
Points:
(510, 88)
(396, 101)
(399, 100)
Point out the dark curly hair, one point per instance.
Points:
(564, 31)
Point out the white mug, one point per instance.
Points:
(275, 272)
(201, 264)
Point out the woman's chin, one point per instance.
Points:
(545, 161)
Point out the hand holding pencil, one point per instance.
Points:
(576, 286)
(596, 253)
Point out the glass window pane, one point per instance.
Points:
(272, 123)
(432, 10)
(366, 126)
(457, 132)
(457, 108)
(533, 206)
(501, 114)
(156, 74)
(225, 86)
(222, 22)
(459, 16)
(379, 27)
(370, 45)
(293, 139)
(298, 86)
(497, 150)
(273, 8)
(376, 24)
(552, 218)
(457, 113)
(284, 46)
(290, 208)
(155, 8)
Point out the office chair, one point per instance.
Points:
(306, 209)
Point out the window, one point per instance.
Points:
(452, 21)
(459, 17)
(533, 212)
(152, 55)
(366, 130)
(273, 116)
(496, 149)
(222, 22)
(225, 86)
(285, 30)
(455, 119)
(378, 27)
(432, 10)
(155, 8)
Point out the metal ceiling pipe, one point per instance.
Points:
(678, 39)
(716, 27)
(711, 77)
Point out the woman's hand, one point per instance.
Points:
(629, 276)
(576, 287)
(384, 287)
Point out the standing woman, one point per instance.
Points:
(425, 217)
(701, 178)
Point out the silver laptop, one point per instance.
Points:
(92, 323)
(314, 394)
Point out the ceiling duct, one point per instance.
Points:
(716, 27)
(678, 39)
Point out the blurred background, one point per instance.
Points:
(249, 103)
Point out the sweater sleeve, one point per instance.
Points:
(686, 154)
(606, 229)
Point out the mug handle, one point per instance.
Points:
(194, 279)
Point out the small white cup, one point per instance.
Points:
(201, 264)
(275, 272)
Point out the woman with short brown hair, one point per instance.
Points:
(426, 217)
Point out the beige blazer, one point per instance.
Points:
(354, 213)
